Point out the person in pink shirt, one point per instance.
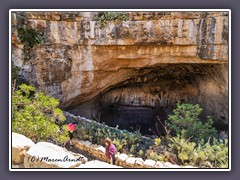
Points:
(110, 151)
(71, 128)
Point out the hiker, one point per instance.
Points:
(110, 151)
(71, 128)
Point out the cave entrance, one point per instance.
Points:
(154, 91)
(144, 119)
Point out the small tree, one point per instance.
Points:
(36, 115)
(185, 122)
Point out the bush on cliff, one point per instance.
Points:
(36, 115)
(103, 18)
(185, 121)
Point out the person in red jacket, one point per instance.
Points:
(71, 128)
(110, 150)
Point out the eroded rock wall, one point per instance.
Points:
(153, 59)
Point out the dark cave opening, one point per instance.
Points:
(152, 93)
(144, 119)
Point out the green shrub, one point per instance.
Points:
(215, 155)
(151, 154)
(206, 155)
(189, 145)
(29, 38)
(185, 121)
(157, 151)
(36, 115)
(104, 17)
(183, 149)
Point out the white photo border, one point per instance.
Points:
(121, 10)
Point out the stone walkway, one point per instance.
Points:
(27, 154)
(76, 150)
(97, 164)
(92, 162)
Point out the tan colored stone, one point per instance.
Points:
(87, 143)
(122, 157)
(159, 165)
(47, 155)
(149, 163)
(84, 160)
(20, 145)
(82, 143)
(170, 165)
(14, 19)
(98, 149)
(94, 146)
(130, 162)
(73, 16)
(167, 163)
(139, 163)
(38, 25)
(17, 55)
(53, 16)
(78, 144)
(101, 149)
(63, 32)
(78, 156)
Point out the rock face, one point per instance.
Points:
(47, 155)
(152, 60)
(20, 145)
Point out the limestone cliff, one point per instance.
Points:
(152, 60)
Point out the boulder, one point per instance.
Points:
(139, 163)
(48, 155)
(170, 165)
(77, 155)
(149, 163)
(101, 149)
(97, 148)
(130, 162)
(20, 144)
(159, 165)
(121, 158)
(83, 145)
